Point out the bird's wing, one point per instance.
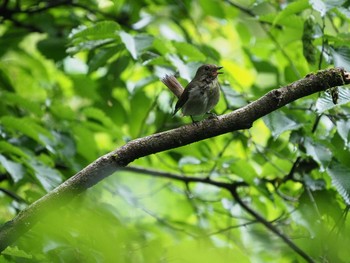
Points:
(183, 98)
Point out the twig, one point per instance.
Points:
(270, 226)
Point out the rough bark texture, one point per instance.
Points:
(104, 166)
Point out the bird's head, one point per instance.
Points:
(208, 71)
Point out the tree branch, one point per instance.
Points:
(104, 166)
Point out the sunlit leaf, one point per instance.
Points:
(294, 7)
(189, 52)
(323, 6)
(100, 30)
(16, 170)
(136, 44)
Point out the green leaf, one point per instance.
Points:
(99, 116)
(341, 180)
(233, 98)
(244, 170)
(15, 252)
(323, 6)
(320, 153)
(86, 145)
(278, 123)
(16, 170)
(341, 57)
(212, 8)
(48, 178)
(88, 38)
(189, 52)
(136, 44)
(100, 30)
(343, 128)
(9, 148)
(325, 102)
(53, 48)
(16, 100)
(102, 57)
(140, 104)
(293, 8)
(26, 127)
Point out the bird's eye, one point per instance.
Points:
(206, 67)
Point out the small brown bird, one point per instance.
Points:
(202, 94)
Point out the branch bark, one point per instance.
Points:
(104, 166)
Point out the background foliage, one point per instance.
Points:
(79, 78)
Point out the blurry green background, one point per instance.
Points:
(79, 78)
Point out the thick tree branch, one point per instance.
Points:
(104, 166)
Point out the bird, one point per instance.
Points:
(202, 94)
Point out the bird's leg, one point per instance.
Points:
(193, 120)
(212, 115)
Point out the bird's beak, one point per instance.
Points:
(218, 68)
(216, 72)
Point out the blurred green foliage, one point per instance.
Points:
(80, 78)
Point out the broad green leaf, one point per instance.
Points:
(343, 128)
(233, 98)
(100, 30)
(341, 57)
(319, 5)
(189, 52)
(293, 8)
(88, 38)
(278, 123)
(86, 145)
(102, 57)
(26, 127)
(212, 7)
(62, 112)
(16, 170)
(136, 44)
(99, 116)
(48, 177)
(244, 170)
(53, 48)
(140, 104)
(16, 100)
(320, 153)
(88, 45)
(17, 253)
(325, 102)
(9, 148)
(314, 184)
(341, 180)
(323, 6)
